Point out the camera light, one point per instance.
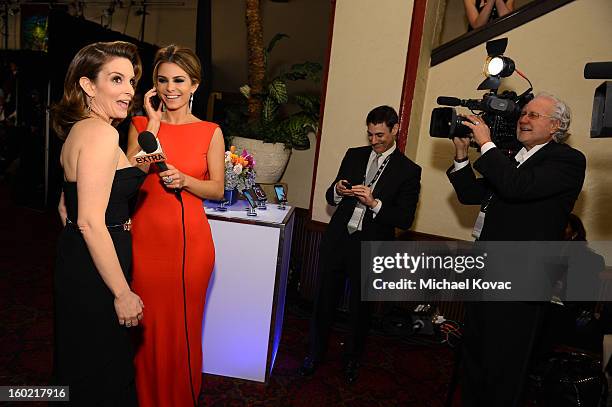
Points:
(499, 66)
(495, 66)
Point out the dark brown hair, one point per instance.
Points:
(576, 228)
(185, 58)
(88, 62)
(383, 114)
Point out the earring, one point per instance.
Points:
(190, 101)
(90, 100)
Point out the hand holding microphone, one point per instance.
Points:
(172, 178)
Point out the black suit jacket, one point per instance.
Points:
(530, 202)
(397, 188)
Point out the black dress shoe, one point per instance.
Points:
(351, 371)
(308, 367)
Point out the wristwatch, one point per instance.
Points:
(460, 160)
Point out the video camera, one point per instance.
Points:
(499, 111)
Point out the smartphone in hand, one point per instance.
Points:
(155, 101)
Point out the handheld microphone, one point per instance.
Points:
(448, 101)
(490, 103)
(472, 104)
(148, 143)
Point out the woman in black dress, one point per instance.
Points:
(481, 12)
(93, 301)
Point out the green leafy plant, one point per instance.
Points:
(283, 117)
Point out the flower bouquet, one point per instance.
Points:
(239, 172)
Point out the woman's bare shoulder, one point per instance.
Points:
(94, 130)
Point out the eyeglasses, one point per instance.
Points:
(535, 115)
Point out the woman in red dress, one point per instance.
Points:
(172, 265)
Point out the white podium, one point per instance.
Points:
(245, 303)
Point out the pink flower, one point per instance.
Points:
(249, 158)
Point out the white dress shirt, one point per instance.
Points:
(381, 159)
(522, 156)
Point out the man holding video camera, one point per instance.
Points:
(375, 191)
(522, 199)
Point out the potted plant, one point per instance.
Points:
(271, 121)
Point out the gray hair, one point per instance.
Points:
(563, 115)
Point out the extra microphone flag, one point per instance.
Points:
(151, 150)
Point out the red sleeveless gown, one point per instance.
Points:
(162, 369)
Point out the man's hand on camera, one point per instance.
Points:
(480, 130)
(342, 190)
(461, 147)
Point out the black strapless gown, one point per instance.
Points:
(93, 353)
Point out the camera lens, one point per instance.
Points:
(446, 123)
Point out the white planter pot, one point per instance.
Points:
(270, 158)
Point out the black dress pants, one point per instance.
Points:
(339, 260)
(498, 344)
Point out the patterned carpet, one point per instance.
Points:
(27, 253)
(395, 372)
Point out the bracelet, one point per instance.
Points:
(461, 160)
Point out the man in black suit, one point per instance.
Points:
(375, 191)
(522, 199)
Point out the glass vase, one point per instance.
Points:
(230, 196)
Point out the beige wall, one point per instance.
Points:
(551, 51)
(305, 21)
(368, 58)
